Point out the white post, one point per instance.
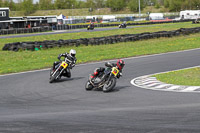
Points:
(139, 10)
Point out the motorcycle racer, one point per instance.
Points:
(71, 56)
(120, 64)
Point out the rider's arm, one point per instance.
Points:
(73, 63)
(61, 55)
(108, 64)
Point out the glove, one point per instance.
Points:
(120, 74)
(73, 65)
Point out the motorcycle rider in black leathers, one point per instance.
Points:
(70, 56)
(120, 64)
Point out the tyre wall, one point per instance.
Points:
(37, 45)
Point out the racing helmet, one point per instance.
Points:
(120, 64)
(72, 52)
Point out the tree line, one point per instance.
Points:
(29, 6)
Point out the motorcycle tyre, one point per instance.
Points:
(88, 86)
(110, 87)
(52, 78)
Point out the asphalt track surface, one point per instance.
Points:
(70, 31)
(30, 104)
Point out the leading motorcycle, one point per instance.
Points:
(90, 27)
(122, 25)
(59, 69)
(105, 81)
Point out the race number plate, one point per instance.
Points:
(115, 71)
(64, 64)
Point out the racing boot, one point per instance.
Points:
(92, 76)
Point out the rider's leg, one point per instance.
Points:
(96, 72)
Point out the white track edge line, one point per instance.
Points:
(149, 88)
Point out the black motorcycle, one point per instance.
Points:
(105, 81)
(59, 69)
(122, 25)
(90, 27)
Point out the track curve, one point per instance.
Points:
(69, 31)
(28, 103)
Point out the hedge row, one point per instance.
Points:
(97, 40)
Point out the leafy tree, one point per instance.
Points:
(157, 6)
(116, 5)
(12, 5)
(1, 3)
(28, 7)
(80, 4)
(196, 4)
(99, 3)
(45, 4)
(134, 5)
(175, 5)
(6, 3)
(90, 4)
(166, 3)
(65, 4)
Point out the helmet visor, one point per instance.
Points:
(73, 55)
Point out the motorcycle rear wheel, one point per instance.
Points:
(88, 86)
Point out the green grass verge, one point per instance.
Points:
(181, 77)
(26, 60)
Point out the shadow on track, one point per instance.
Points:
(67, 79)
(118, 88)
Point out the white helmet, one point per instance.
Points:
(72, 52)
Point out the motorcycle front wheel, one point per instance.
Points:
(110, 85)
(52, 78)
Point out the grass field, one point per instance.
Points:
(26, 60)
(181, 77)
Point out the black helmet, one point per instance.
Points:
(120, 64)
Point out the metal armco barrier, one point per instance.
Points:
(97, 40)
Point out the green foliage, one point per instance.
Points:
(27, 7)
(157, 6)
(99, 3)
(177, 5)
(65, 4)
(166, 3)
(181, 77)
(116, 5)
(90, 4)
(45, 4)
(133, 5)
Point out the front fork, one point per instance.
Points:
(56, 72)
(109, 78)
